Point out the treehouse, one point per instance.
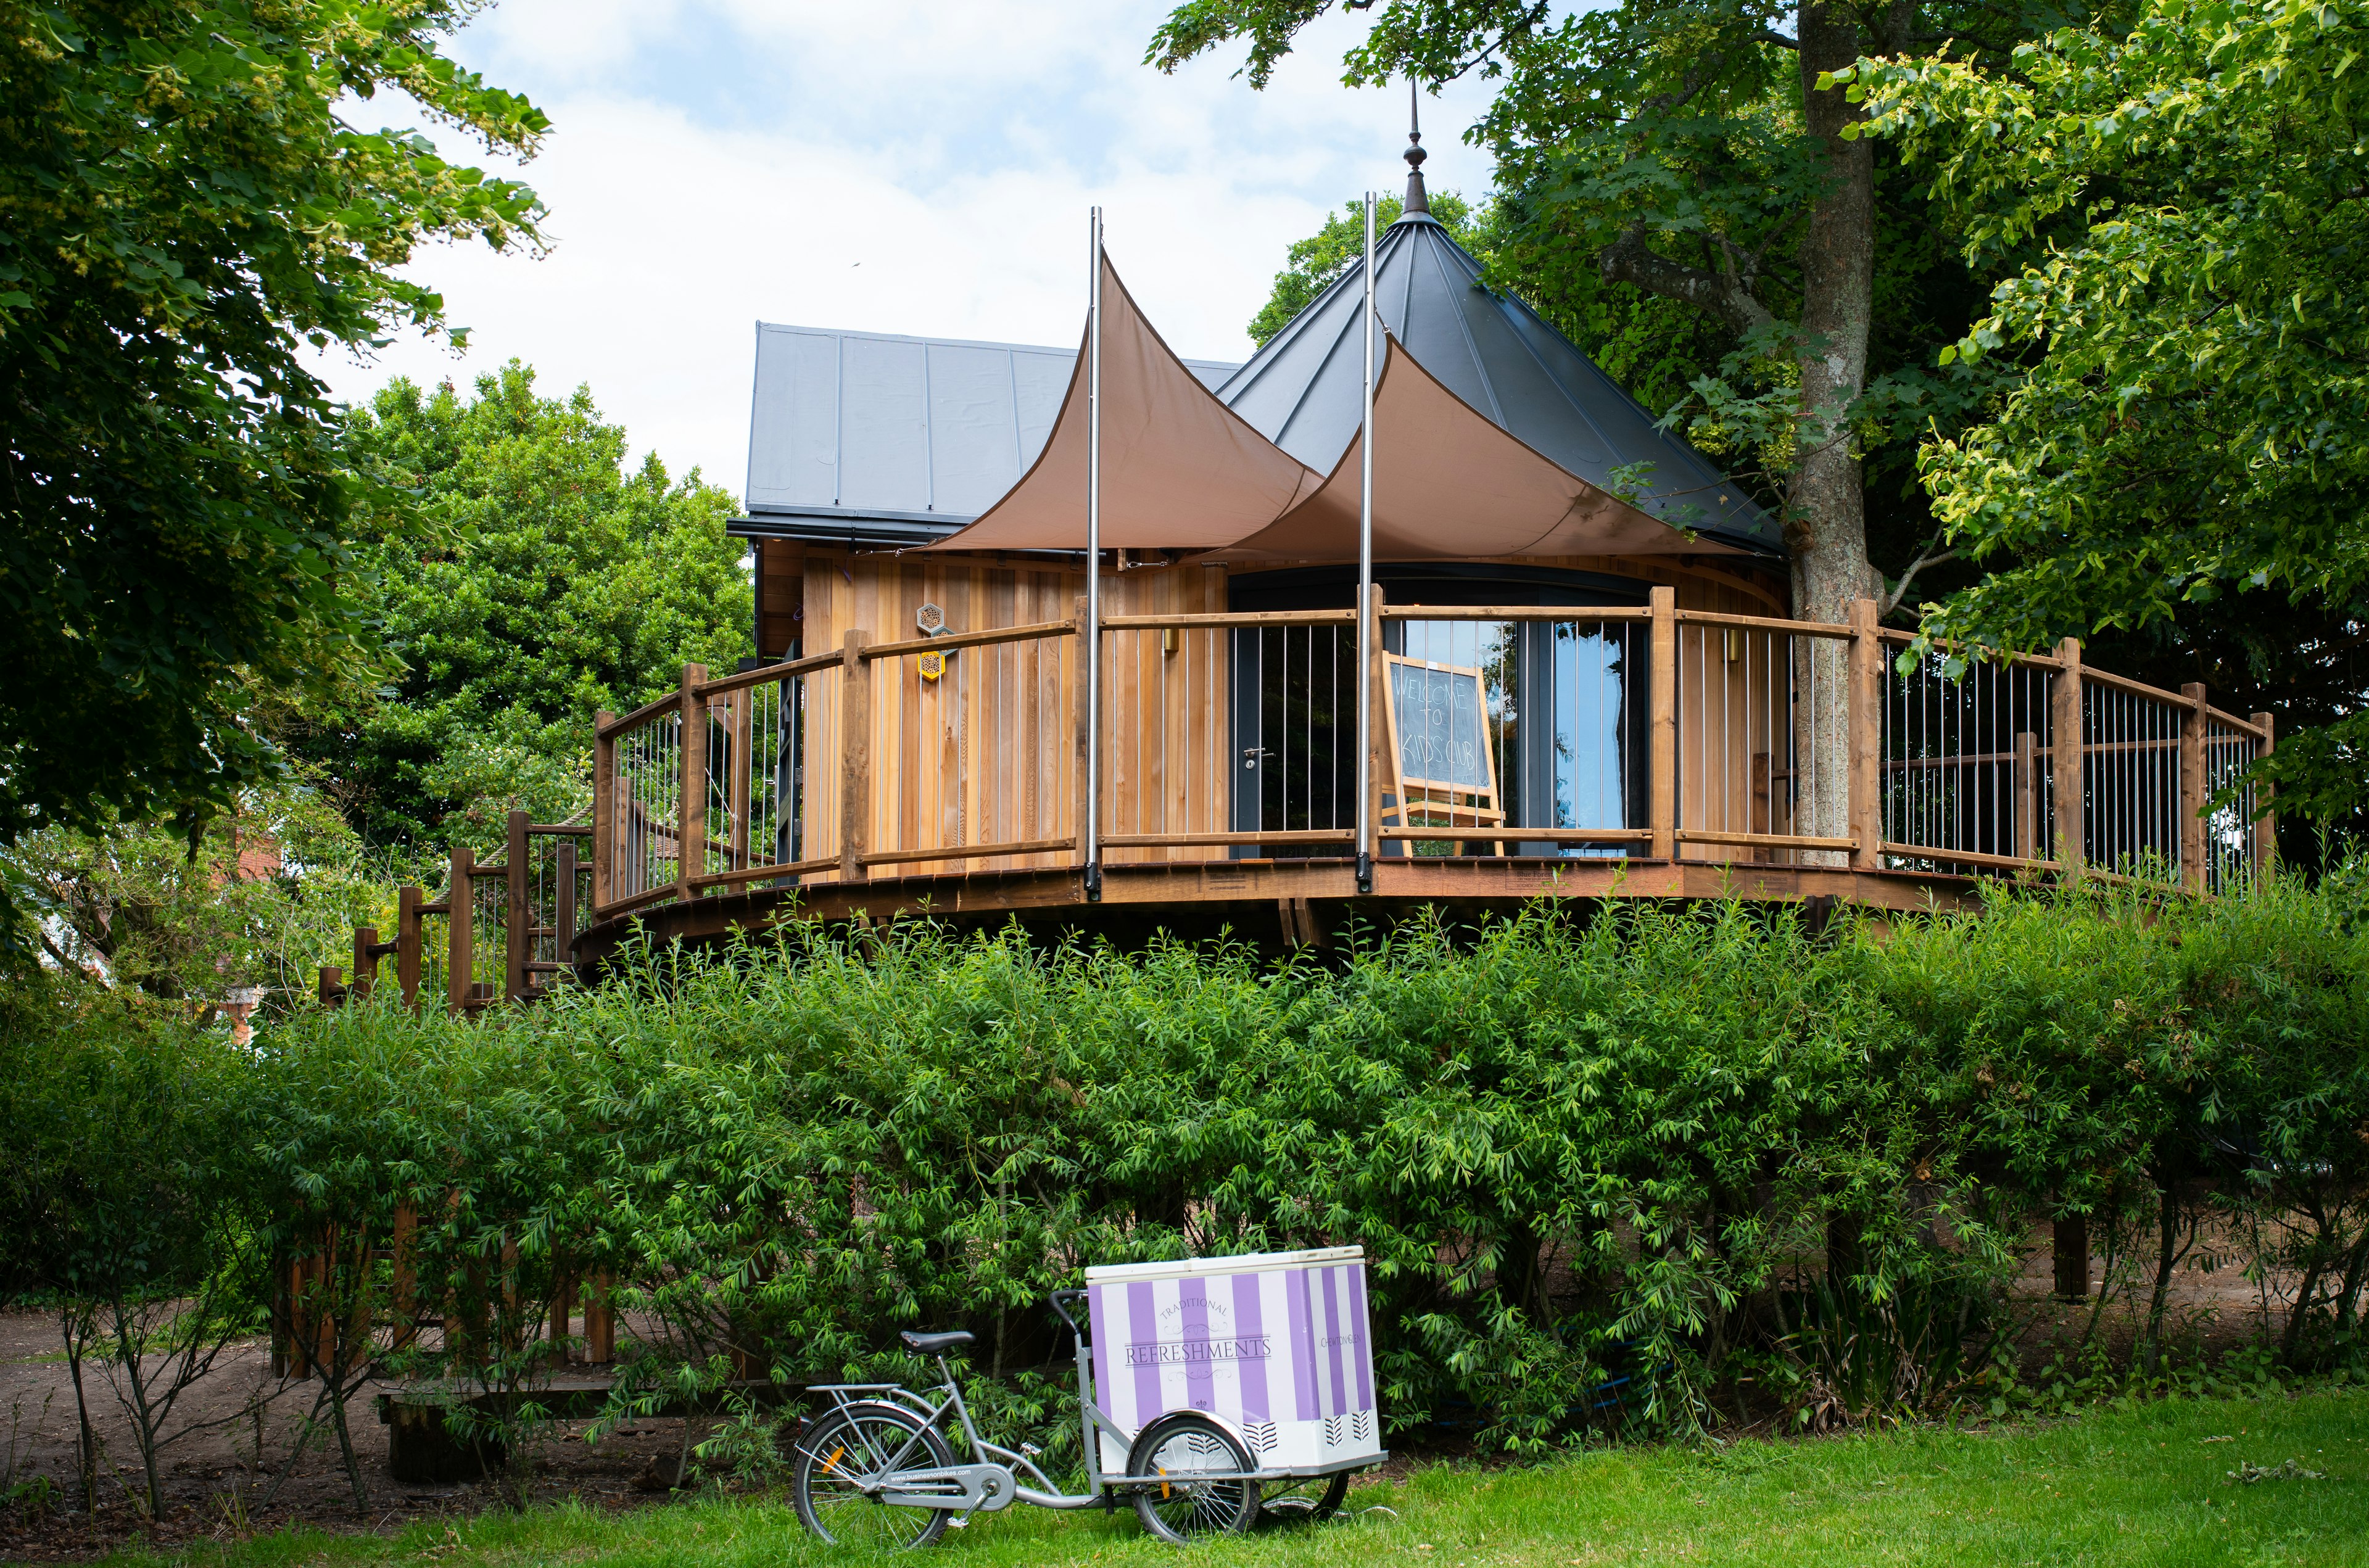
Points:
(1582, 675)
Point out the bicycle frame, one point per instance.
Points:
(995, 1484)
(994, 1481)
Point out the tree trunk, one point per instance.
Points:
(1826, 513)
(1825, 510)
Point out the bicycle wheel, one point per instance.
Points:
(1302, 1500)
(854, 1446)
(1176, 1449)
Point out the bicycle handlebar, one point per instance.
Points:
(1057, 1298)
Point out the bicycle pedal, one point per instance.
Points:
(959, 1522)
(1031, 1449)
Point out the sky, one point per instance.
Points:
(919, 166)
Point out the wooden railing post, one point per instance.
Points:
(460, 935)
(2193, 743)
(406, 1274)
(855, 755)
(1376, 758)
(2064, 756)
(517, 920)
(408, 943)
(332, 986)
(691, 829)
(2266, 826)
(604, 810)
(365, 962)
(1083, 856)
(1662, 765)
(1864, 716)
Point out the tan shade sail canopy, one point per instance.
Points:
(1181, 470)
(1450, 485)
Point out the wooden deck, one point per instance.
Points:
(1770, 759)
(1742, 755)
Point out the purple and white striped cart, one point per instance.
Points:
(1211, 1393)
(1275, 1346)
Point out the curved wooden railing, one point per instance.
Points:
(844, 766)
(1707, 737)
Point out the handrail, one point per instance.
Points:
(1763, 623)
(2135, 688)
(1221, 620)
(764, 674)
(1516, 613)
(1720, 738)
(953, 640)
(671, 703)
(2245, 727)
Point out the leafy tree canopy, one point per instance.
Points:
(1656, 155)
(1311, 264)
(186, 208)
(552, 581)
(2185, 442)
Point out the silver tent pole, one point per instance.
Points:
(1090, 810)
(1366, 627)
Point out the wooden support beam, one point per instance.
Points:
(1376, 734)
(460, 948)
(2065, 767)
(855, 755)
(366, 951)
(2193, 732)
(1864, 718)
(604, 808)
(1662, 765)
(1084, 853)
(409, 942)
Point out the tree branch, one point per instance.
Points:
(1728, 298)
(1891, 600)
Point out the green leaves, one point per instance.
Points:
(184, 210)
(2187, 421)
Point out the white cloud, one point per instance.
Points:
(904, 166)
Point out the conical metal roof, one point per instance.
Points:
(1303, 391)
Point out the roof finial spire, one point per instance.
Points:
(1417, 201)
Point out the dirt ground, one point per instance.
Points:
(239, 1424)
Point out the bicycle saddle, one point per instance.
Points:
(931, 1343)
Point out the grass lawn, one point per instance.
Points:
(2142, 1486)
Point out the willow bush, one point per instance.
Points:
(1660, 1166)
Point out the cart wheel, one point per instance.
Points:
(854, 1445)
(1179, 1508)
(1309, 1500)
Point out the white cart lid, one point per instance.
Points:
(1246, 1263)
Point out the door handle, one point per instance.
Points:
(1251, 754)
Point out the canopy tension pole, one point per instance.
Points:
(1090, 810)
(1366, 627)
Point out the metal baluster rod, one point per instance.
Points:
(1366, 581)
(1090, 824)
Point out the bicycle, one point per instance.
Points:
(877, 1469)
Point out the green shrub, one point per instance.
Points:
(1652, 1167)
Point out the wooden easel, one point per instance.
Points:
(1467, 797)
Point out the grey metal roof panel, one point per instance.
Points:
(1303, 390)
(872, 423)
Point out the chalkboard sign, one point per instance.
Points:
(1443, 734)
